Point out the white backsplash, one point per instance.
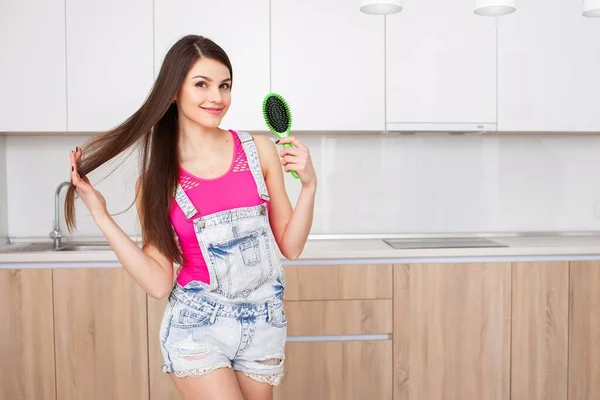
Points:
(367, 183)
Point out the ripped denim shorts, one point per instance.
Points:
(199, 334)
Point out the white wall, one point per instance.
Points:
(3, 195)
(368, 184)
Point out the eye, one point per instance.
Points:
(226, 86)
(201, 84)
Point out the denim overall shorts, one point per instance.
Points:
(237, 320)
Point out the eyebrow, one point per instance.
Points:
(208, 79)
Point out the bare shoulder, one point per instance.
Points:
(267, 152)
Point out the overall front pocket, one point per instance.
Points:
(250, 250)
(278, 318)
(184, 317)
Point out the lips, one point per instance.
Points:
(212, 110)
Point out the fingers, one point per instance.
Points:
(78, 153)
(299, 168)
(293, 140)
(290, 151)
(79, 182)
(294, 155)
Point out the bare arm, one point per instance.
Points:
(290, 227)
(148, 267)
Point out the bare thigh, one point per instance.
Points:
(254, 390)
(221, 384)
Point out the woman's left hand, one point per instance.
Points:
(298, 159)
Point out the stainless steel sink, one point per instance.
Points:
(36, 247)
(85, 247)
(26, 247)
(441, 243)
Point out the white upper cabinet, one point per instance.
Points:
(241, 28)
(32, 66)
(109, 61)
(440, 67)
(328, 62)
(549, 68)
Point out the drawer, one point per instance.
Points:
(338, 282)
(339, 317)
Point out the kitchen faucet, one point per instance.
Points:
(56, 234)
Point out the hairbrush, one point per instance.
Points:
(278, 118)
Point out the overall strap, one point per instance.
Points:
(185, 203)
(254, 163)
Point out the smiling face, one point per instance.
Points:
(205, 95)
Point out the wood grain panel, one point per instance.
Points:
(540, 326)
(339, 317)
(584, 330)
(101, 335)
(452, 331)
(338, 282)
(26, 335)
(336, 371)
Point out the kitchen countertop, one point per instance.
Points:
(363, 249)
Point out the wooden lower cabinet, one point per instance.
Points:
(101, 335)
(26, 335)
(452, 331)
(352, 370)
(584, 330)
(468, 331)
(540, 328)
(161, 385)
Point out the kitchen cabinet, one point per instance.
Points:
(452, 331)
(340, 321)
(100, 335)
(328, 62)
(584, 330)
(497, 330)
(27, 337)
(161, 385)
(242, 30)
(352, 370)
(109, 61)
(548, 63)
(32, 70)
(540, 331)
(440, 67)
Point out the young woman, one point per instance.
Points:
(214, 202)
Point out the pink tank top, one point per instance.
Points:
(236, 188)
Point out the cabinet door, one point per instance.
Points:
(328, 62)
(584, 330)
(241, 28)
(441, 66)
(452, 331)
(26, 335)
(109, 61)
(161, 385)
(540, 328)
(352, 370)
(548, 63)
(32, 66)
(101, 335)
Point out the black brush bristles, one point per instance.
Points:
(277, 114)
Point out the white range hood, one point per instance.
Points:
(439, 128)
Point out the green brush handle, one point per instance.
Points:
(294, 174)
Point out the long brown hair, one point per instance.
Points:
(154, 128)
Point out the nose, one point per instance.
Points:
(215, 95)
